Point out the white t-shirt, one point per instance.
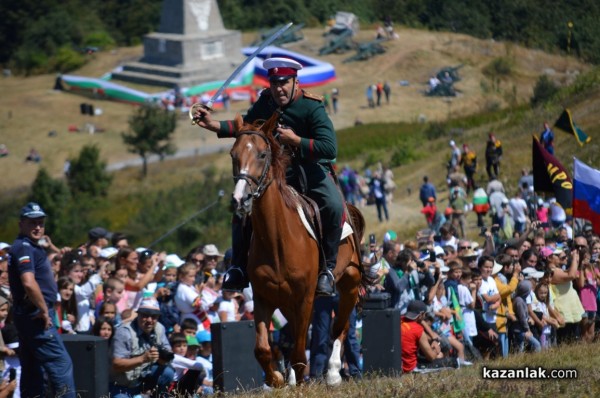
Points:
(464, 299)
(229, 308)
(450, 242)
(184, 301)
(181, 364)
(489, 288)
(519, 209)
(208, 366)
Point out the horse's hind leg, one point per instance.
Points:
(262, 349)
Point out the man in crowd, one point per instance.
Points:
(141, 354)
(34, 292)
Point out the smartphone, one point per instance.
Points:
(207, 276)
(372, 239)
(12, 374)
(432, 256)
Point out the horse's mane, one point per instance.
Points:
(280, 158)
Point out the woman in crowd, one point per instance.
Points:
(135, 281)
(566, 299)
(66, 308)
(85, 286)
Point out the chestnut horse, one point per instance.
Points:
(283, 260)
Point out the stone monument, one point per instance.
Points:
(191, 47)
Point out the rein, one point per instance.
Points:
(261, 184)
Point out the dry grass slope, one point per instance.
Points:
(468, 382)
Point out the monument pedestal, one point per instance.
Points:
(191, 47)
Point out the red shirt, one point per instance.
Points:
(411, 332)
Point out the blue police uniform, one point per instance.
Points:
(41, 350)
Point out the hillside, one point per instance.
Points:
(31, 109)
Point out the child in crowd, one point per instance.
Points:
(104, 327)
(205, 358)
(165, 295)
(113, 291)
(486, 340)
(66, 308)
(520, 329)
(109, 311)
(442, 322)
(467, 296)
(188, 371)
(229, 308)
(10, 348)
(189, 327)
(541, 307)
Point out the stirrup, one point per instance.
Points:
(325, 288)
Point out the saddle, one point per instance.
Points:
(312, 216)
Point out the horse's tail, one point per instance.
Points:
(358, 225)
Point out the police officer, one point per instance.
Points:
(34, 291)
(304, 126)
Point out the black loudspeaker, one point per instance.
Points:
(90, 364)
(381, 342)
(234, 366)
(83, 108)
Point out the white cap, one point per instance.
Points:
(497, 268)
(108, 252)
(173, 260)
(452, 143)
(4, 245)
(281, 62)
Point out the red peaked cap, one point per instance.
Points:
(281, 68)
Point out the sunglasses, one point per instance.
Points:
(3, 258)
(464, 247)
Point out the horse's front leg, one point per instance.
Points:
(262, 349)
(348, 294)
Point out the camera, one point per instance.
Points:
(372, 239)
(165, 355)
(420, 264)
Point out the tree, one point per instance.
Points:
(54, 197)
(150, 133)
(87, 174)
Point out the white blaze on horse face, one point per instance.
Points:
(240, 187)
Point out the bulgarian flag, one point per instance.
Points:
(278, 321)
(480, 201)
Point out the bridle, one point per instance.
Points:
(261, 182)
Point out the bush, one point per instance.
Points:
(66, 60)
(435, 130)
(99, 39)
(544, 90)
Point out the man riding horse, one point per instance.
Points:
(305, 127)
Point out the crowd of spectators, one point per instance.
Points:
(488, 299)
(461, 300)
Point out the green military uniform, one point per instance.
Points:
(307, 117)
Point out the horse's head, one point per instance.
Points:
(252, 161)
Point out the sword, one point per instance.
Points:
(227, 82)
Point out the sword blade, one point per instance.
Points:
(227, 82)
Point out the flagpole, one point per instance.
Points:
(570, 25)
